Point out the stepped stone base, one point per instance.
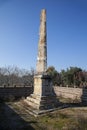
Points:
(42, 103)
(43, 97)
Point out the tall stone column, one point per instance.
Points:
(41, 66)
(43, 97)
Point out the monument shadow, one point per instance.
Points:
(10, 120)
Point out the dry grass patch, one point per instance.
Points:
(63, 119)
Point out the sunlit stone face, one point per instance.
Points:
(41, 65)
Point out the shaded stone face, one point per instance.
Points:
(42, 45)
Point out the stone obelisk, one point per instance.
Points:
(43, 97)
(41, 66)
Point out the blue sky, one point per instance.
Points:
(66, 32)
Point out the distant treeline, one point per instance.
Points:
(13, 76)
(71, 77)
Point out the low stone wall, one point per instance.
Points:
(15, 92)
(72, 93)
(18, 92)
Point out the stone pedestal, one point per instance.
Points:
(43, 97)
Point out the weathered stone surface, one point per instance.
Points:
(71, 93)
(41, 65)
(43, 85)
(43, 97)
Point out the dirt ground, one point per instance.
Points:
(16, 116)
